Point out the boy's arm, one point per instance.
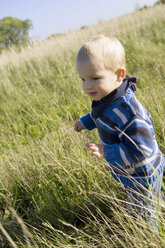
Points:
(136, 143)
(87, 122)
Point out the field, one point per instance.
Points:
(52, 192)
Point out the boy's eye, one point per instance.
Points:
(95, 78)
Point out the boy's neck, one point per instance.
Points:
(99, 106)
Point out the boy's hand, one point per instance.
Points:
(97, 150)
(78, 127)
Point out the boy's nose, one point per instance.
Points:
(88, 84)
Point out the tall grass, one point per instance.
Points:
(52, 193)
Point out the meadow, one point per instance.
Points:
(52, 192)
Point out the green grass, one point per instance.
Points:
(52, 193)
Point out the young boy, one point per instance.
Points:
(125, 127)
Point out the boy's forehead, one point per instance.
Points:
(90, 64)
(88, 68)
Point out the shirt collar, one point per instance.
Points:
(99, 106)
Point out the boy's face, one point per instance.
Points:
(97, 82)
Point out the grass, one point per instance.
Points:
(52, 193)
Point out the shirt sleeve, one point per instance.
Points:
(136, 143)
(88, 122)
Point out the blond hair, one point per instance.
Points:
(103, 50)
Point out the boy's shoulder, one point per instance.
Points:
(126, 108)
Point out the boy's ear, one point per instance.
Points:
(121, 73)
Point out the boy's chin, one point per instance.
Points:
(95, 98)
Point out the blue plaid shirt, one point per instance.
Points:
(127, 132)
